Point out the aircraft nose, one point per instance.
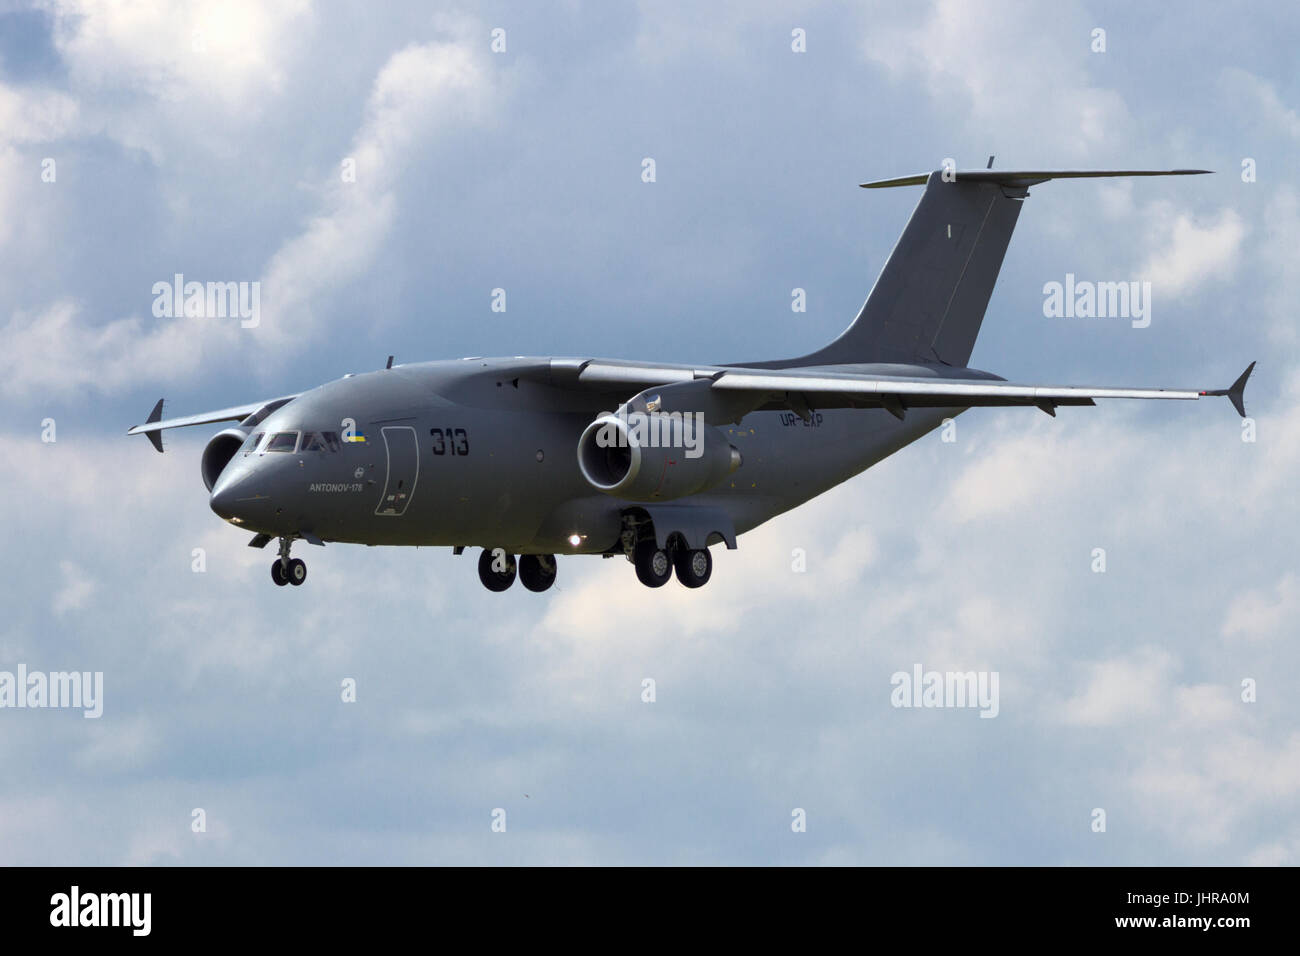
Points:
(234, 499)
(222, 501)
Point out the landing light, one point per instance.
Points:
(576, 539)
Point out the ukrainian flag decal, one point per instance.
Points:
(358, 437)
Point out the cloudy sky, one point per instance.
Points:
(138, 141)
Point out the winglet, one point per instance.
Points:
(155, 416)
(1236, 392)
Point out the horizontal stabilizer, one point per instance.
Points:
(1021, 178)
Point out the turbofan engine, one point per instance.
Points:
(218, 453)
(654, 456)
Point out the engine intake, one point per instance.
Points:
(654, 456)
(219, 451)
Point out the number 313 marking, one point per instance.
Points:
(451, 440)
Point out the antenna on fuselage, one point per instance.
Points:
(390, 362)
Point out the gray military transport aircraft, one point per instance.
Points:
(528, 458)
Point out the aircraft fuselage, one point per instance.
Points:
(472, 453)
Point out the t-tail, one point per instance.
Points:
(929, 301)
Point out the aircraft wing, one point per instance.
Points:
(836, 390)
(801, 389)
(154, 425)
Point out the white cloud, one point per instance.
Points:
(667, 32)
(1028, 463)
(1204, 788)
(1249, 90)
(1276, 242)
(974, 61)
(424, 92)
(35, 115)
(1258, 615)
(1283, 852)
(1186, 253)
(57, 353)
(1121, 690)
(119, 744)
(77, 588)
(28, 118)
(227, 53)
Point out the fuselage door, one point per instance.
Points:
(403, 452)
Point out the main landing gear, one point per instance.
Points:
(694, 567)
(655, 565)
(287, 570)
(497, 570)
(537, 571)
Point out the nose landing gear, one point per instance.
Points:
(497, 569)
(287, 570)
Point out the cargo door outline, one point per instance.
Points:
(402, 451)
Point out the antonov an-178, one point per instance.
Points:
(531, 458)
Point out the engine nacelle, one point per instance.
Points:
(654, 457)
(219, 451)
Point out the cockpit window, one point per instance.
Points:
(319, 441)
(282, 441)
(254, 440)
